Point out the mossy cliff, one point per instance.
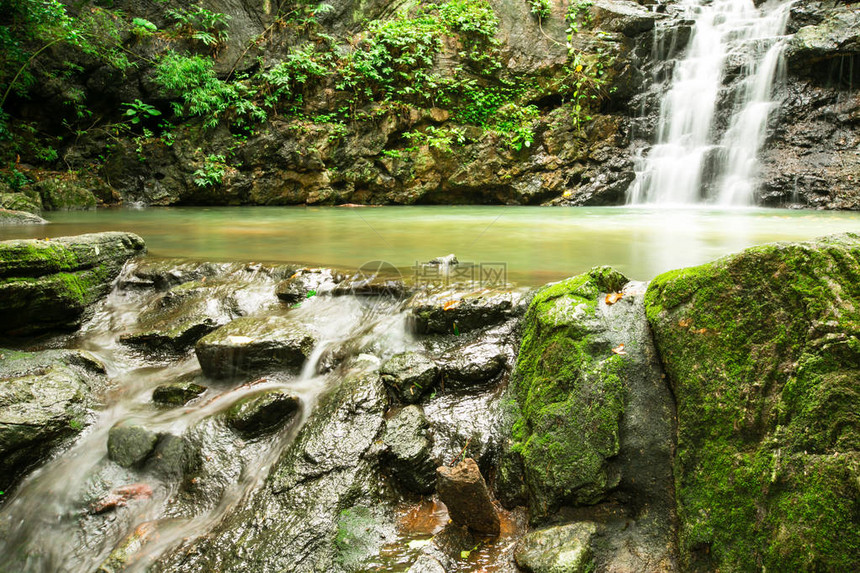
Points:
(762, 353)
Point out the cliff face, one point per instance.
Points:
(471, 101)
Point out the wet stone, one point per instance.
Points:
(463, 490)
(253, 345)
(409, 375)
(130, 445)
(177, 393)
(305, 283)
(472, 364)
(262, 414)
(459, 313)
(561, 549)
(408, 450)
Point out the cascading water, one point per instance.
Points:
(691, 162)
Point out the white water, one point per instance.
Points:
(690, 162)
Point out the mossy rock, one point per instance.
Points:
(762, 352)
(569, 397)
(61, 194)
(262, 414)
(177, 393)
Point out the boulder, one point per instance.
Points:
(177, 393)
(457, 313)
(252, 345)
(471, 364)
(761, 350)
(464, 492)
(409, 375)
(44, 404)
(52, 284)
(11, 217)
(130, 445)
(63, 194)
(306, 283)
(628, 18)
(560, 549)
(262, 414)
(407, 450)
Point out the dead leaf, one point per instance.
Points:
(451, 304)
(619, 349)
(613, 297)
(685, 322)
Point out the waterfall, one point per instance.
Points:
(690, 162)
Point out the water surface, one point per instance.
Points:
(535, 244)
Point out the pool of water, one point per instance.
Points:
(531, 245)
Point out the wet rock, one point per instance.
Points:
(177, 393)
(407, 447)
(183, 315)
(426, 564)
(463, 490)
(262, 414)
(120, 497)
(305, 283)
(629, 18)
(252, 345)
(445, 550)
(52, 284)
(25, 200)
(836, 35)
(12, 217)
(130, 445)
(443, 314)
(445, 261)
(164, 275)
(472, 364)
(130, 549)
(44, 404)
(64, 194)
(361, 532)
(778, 325)
(173, 457)
(293, 518)
(561, 549)
(409, 375)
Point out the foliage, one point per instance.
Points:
(516, 124)
(201, 24)
(212, 172)
(540, 8)
(470, 17)
(138, 111)
(284, 80)
(440, 138)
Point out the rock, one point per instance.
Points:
(445, 261)
(569, 387)
(165, 274)
(44, 404)
(10, 217)
(26, 200)
(762, 354)
(561, 549)
(837, 35)
(183, 315)
(306, 283)
(471, 364)
(407, 448)
(463, 490)
(52, 284)
(439, 314)
(623, 16)
(360, 533)
(330, 467)
(129, 550)
(130, 445)
(120, 497)
(64, 194)
(409, 375)
(177, 393)
(262, 414)
(426, 564)
(251, 345)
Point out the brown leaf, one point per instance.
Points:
(619, 349)
(451, 304)
(613, 297)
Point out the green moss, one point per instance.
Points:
(569, 391)
(761, 349)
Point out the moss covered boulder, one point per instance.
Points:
(44, 404)
(569, 393)
(763, 355)
(13, 217)
(51, 284)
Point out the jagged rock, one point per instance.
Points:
(761, 351)
(44, 404)
(262, 414)
(12, 217)
(166, 274)
(463, 490)
(130, 445)
(407, 448)
(304, 283)
(409, 375)
(561, 549)
(471, 364)
(252, 345)
(52, 284)
(439, 314)
(623, 16)
(177, 393)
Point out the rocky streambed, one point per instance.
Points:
(231, 417)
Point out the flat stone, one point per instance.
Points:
(472, 364)
(252, 345)
(409, 375)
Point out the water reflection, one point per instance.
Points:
(536, 244)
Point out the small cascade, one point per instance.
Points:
(691, 162)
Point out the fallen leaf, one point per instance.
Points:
(685, 322)
(613, 297)
(451, 304)
(619, 349)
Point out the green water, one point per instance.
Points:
(535, 244)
